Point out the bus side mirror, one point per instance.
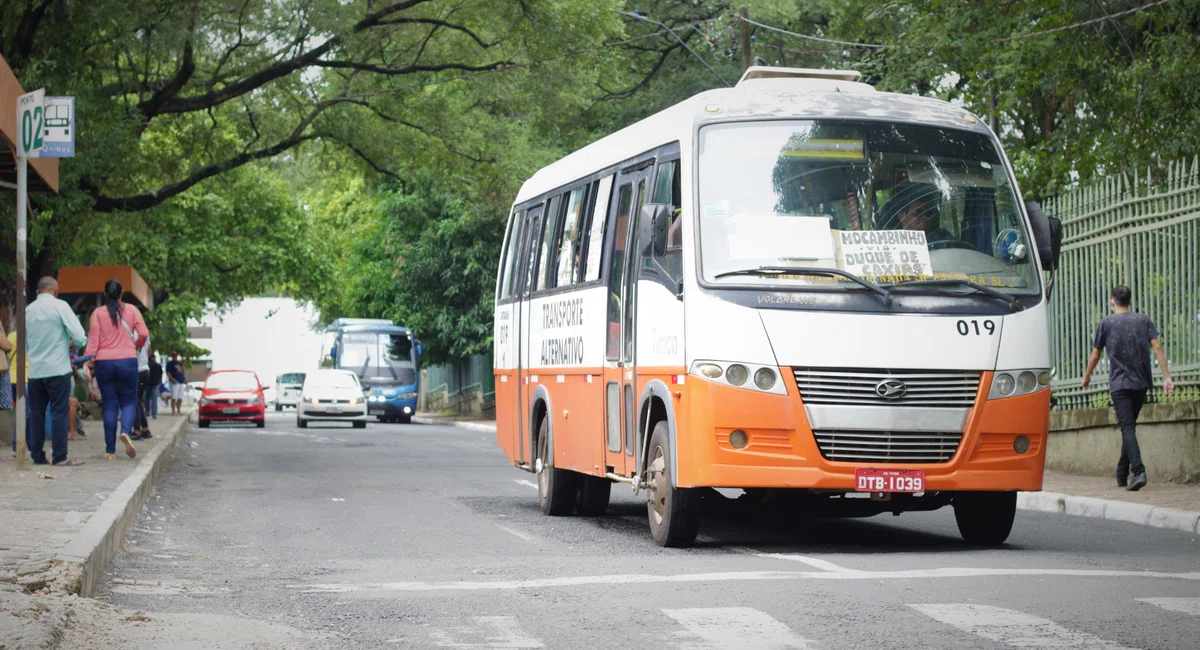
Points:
(1047, 233)
(333, 352)
(420, 348)
(652, 229)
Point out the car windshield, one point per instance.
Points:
(376, 354)
(232, 381)
(886, 202)
(333, 380)
(292, 378)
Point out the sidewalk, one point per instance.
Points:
(46, 542)
(1163, 505)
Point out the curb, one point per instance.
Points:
(86, 557)
(472, 426)
(1135, 513)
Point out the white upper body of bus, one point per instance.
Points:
(803, 202)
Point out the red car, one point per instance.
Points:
(232, 396)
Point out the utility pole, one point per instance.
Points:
(744, 34)
(22, 371)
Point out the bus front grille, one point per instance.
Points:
(918, 388)
(888, 447)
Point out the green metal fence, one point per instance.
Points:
(467, 387)
(1144, 233)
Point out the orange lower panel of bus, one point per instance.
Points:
(782, 450)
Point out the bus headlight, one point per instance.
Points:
(710, 370)
(764, 378)
(737, 374)
(1011, 383)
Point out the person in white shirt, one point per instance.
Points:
(141, 425)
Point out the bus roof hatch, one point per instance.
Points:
(769, 72)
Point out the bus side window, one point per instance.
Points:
(593, 240)
(552, 219)
(511, 249)
(569, 240)
(527, 281)
(667, 190)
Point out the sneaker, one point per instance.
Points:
(1122, 481)
(110, 456)
(1137, 482)
(147, 435)
(129, 450)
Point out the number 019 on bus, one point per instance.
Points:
(760, 288)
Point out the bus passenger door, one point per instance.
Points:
(619, 379)
(525, 284)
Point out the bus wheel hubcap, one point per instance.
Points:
(658, 483)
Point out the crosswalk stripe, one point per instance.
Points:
(1182, 605)
(484, 632)
(718, 628)
(1014, 628)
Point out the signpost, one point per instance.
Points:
(39, 135)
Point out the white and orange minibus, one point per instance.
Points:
(797, 283)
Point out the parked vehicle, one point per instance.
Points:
(385, 356)
(333, 395)
(287, 389)
(232, 396)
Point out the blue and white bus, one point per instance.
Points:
(384, 356)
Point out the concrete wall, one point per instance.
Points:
(1088, 441)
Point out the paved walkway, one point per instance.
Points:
(1164, 495)
(44, 507)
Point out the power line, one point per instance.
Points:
(1081, 24)
(870, 46)
(685, 45)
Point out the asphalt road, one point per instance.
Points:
(411, 536)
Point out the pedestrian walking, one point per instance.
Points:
(117, 332)
(50, 326)
(7, 394)
(1127, 338)
(78, 396)
(142, 424)
(156, 378)
(178, 383)
(10, 347)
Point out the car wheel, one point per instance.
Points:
(404, 419)
(278, 408)
(204, 424)
(674, 512)
(301, 422)
(260, 423)
(360, 425)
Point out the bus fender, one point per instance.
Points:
(540, 394)
(655, 388)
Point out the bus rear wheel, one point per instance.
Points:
(592, 497)
(985, 518)
(674, 512)
(556, 487)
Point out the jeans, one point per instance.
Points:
(1128, 404)
(49, 402)
(118, 380)
(152, 400)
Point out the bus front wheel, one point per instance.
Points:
(556, 487)
(985, 518)
(674, 512)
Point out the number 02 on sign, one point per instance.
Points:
(31, 121)
(889, 480)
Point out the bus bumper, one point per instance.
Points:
(782, 451)
(392, 407)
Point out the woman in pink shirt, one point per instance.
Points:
(114, 336)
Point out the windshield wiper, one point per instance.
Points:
(812, 270)
(1013, 303)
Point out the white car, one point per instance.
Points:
(287, 389)
(334, 395)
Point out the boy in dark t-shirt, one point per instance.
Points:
(1127, 337)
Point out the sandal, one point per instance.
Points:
(68, 463)
(129, 449)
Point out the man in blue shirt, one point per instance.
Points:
(50, 327)
(1127, 337)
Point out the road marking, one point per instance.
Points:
(733, 627)
(729, 576)
(525, 483)
(1183, 605)
(484, 632)
(516, 533)
(1014, 628)
(804, 559)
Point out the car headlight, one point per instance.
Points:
(1011, 383)
(256, 400)
(407, 395)
(356, 400)
(311, 400)
(204, 401)
(766, 378)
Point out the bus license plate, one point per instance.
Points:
(231, 410)
(889, 480)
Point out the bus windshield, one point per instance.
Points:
(292, 378)
(886, 202)
(377, 354)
